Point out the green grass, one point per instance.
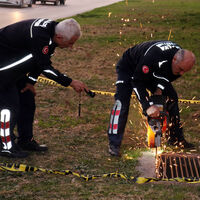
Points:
(80, 143)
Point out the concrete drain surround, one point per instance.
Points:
(173, 165)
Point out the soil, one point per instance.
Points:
(146, 166)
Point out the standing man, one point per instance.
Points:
(25, 52)
(149, 66)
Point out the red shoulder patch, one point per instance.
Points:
(145, 69)
(45, 50)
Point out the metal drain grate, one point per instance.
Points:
(172, 165)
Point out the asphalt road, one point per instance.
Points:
(9, 15)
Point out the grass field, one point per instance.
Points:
(80, 144)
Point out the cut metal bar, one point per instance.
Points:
(181, 167)
(186, 169)
(171, 167)
(176, 166)
(198, 162)
(164, 165)
(190, 166)
(195, 166)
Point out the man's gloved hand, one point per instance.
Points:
(159, 104)
(29, 87)
(78, 86)
(153, 111)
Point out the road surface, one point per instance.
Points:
(9, 15)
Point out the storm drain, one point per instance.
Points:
(172, 165)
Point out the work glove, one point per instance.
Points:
(159, 104)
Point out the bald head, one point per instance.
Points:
(182, 62)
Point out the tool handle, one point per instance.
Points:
(90, 93)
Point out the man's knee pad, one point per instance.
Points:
(5, 129)
(114, 118)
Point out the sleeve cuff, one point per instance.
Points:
(160, 86)
(31, 80)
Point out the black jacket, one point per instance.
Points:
(26, 48)
(147, 66)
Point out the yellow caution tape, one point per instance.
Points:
(51, 82)
(140, 180)
(189, 101)
(48, 81)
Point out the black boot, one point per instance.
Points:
(182, 143)
(32, 145)
(113, 150)
(14, 152)
(185, 145)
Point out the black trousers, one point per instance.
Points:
(26, 113)
(120, 110)
(19, 108)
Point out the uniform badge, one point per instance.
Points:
(45, 50)
(145, 69)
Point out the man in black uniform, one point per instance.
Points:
(149, 66)
(25, 52)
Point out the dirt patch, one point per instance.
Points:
(146, 166)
